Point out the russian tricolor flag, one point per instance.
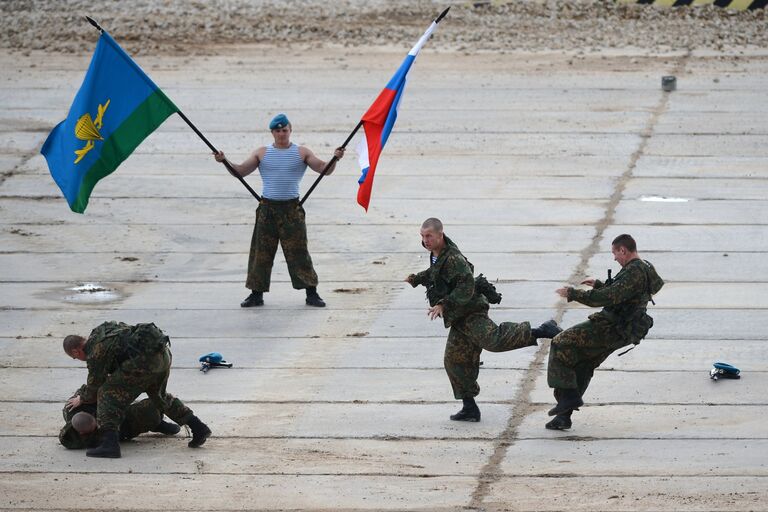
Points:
(381, 116)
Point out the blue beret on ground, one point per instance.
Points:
(212, 357)
(727, 368)
(279, 121)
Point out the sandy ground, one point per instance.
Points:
(534, 160)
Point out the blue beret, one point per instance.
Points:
(212, 357)
(279, 121)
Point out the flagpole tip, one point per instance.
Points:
(442, 14)
(94, 23)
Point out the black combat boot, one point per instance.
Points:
(200, 432)
(313, 299)
(254, 299)
(548, 329)
(560, 422)
(470, 411)
(167, 428)
(109, 447)
(569, 400)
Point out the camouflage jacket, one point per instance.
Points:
(625, 300)
(110, 344)
(450, 282)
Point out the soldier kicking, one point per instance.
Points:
(123, 362)
(576, 352)
(452, 295)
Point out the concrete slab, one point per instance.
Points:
(402, 187)
(279, 385)
(650, 457)
(689, 212)
(662, 387)
(694, 166)
(223, 492)
(440, 164)
(632, 422)
(701, 188)
(186, 238)
(154, 454)
(287, 420)
(612, 494)
(359, 267)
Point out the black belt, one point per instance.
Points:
(275, 202)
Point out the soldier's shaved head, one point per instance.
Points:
(433, 224)
(83, 422)
(72, 342)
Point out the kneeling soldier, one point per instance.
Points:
(123, 362)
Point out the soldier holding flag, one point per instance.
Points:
(280, 216)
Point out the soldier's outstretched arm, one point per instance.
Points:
(616, 293)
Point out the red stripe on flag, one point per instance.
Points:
(373, 124)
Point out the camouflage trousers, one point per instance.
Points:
(145, 373)
(468, 337)
(280, 222)
(140, 417)
(576, 352)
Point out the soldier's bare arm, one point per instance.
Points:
(315, 163)
(249, 165)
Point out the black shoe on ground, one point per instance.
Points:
(470, 411)
(254, 299)
(466, 415)
(167, 428)
(569, 400)
(109, 447)
(548, 329)
(560, 422)
(200, 432)
(313, 299)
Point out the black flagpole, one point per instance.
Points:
(334, 159)
(330, 163)
(226, 163)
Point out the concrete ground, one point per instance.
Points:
(534, 161)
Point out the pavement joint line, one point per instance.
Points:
(402, 475)
(492, 470)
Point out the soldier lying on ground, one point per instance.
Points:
(576, 352)
(452, 295)
(123, 362)
(81, 431)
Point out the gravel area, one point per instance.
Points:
(172, 26)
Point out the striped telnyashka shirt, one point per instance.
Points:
(281, 172)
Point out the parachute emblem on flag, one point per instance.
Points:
(87, 129)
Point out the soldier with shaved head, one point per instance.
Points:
(455, 297)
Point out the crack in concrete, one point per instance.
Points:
(492, 471)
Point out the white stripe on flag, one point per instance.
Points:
(415, 50)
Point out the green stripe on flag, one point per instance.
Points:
(144, 120)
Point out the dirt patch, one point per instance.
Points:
(183, 27)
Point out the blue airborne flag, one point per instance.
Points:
(116, 108)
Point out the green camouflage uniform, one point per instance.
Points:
(123, 362)
(450, 282)
(283, 222)
(577, 351)
(140, 417)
